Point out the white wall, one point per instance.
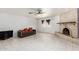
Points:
(15, 23)
(52, 28)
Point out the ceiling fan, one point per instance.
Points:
(37, 11)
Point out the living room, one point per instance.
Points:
(38, 29)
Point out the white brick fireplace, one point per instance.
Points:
(69, 29)
(68, 23)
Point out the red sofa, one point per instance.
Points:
(26, 32)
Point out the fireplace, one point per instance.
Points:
(69, 28)
(69, 23)
(66, 31)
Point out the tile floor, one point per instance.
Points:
(38, 42)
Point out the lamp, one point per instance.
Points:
(48, 21)
(42, 21)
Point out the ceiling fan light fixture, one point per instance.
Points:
(36, 12)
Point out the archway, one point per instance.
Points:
(66, 31)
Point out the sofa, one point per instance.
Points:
(26, 32)
(6, 34)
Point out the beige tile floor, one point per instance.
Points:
(38, 42)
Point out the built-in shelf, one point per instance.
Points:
(73, 22)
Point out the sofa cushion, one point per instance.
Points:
(30, 29)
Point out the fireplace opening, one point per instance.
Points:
(66, 31)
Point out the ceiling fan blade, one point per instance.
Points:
(38, 11)
(30, 12)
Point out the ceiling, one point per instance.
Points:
(25, 11)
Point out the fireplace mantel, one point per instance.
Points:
(73, 22)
